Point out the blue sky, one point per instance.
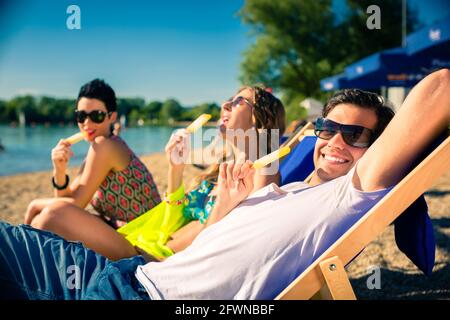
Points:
(186, 49)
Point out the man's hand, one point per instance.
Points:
(235, 183)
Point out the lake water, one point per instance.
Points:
(29, 149)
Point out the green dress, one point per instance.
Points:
(152, 230)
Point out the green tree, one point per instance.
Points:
(297, 43)
(151, 111)
(134, 116)
(22, 105)
(3, 116)
(126, 105)
(170, 111)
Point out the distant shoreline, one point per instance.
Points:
(72, 125)
(75, 167)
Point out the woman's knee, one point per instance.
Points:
(50, 216)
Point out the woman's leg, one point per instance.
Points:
(36, 264)
(75, 224)
(35, 207)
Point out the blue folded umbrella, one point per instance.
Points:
(414, 235)
(414, 232)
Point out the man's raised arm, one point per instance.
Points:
(423, 116)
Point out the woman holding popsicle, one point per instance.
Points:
(112, 178)
(172, 225)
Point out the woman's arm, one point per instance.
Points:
(103, 156)
(61, 155)
(177, 151)
(184, 236)
(73, 185)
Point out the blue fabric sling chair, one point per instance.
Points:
(413, 229)
(298, 164)
(404, 206)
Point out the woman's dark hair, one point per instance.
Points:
(99, 89)
(363, 99)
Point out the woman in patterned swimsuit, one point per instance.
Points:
(112, 178)
(171, 226)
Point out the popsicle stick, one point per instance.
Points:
(198, 123)
(298, 136)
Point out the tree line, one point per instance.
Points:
(40, 110)
(298, 43)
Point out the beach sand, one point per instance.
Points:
(400, 279)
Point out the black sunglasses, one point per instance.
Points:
(353, 135)
(96, 116)
(238, 101)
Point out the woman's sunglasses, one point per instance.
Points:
(96, 116)
(237, 102)
(353, 135)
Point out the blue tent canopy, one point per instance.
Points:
(427, 50)
(433, 40)
(379, 62)
(385, 68)
(388, 68)
(334, 82)
(341, 81)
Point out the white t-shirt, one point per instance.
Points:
(262, 245)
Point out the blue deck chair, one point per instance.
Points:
(298, 164)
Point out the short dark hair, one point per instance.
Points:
(363, 99)
(99, 89)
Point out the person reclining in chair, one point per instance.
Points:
(253, 246)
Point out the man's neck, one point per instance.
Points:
(315, 180)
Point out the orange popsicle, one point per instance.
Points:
(77, 137)
(198, 123)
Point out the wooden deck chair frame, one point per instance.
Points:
(297, 136)
(326, 276)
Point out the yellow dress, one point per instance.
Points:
(152, 230)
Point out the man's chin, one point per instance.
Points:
(326, 175)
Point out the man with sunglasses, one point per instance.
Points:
(254, 245)
(352, 120)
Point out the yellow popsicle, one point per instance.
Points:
(198, 123)
(77, 137)
(271, 157)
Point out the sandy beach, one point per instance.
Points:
(400, 279)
